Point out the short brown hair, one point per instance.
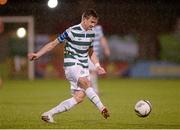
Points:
(90, 12)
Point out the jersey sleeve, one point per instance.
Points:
(64, 36)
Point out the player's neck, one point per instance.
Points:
(84, 26)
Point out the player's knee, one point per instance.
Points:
(79, 99)
(79, 96)
(84, 82)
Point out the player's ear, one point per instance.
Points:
(83, 18)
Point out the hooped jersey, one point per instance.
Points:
(98, 35)
(77, 43)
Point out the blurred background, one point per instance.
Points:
(143, 36)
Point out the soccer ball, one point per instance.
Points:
(143, 108)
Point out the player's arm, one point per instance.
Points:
(104, 44)
(48, 47)
(95, 61)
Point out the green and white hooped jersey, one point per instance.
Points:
(78, 41)
(98, 35)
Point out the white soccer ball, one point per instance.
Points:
(143, 108)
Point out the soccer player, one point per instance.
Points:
(99, 41)
(78, 46)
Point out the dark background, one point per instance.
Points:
(117, 16)
(146, 19)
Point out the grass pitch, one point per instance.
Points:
(22, 103)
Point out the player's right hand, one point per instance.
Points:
(32, 56)
(100, 70)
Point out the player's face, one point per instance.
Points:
(90, 22)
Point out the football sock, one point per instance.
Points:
(63, 106)
(94, 98)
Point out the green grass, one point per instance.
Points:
(22, 103)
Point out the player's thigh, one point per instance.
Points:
(84, 82)
(75, 72)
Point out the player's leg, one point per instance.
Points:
(78, 96)
(84, 82)
(62, 107)
(66, 105)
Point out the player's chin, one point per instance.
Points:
(90, 28)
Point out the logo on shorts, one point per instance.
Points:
(82, 72)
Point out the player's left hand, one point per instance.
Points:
(32, 56)
(100, 70)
